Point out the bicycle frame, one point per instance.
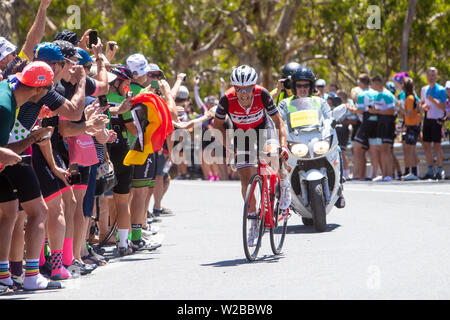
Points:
(270, 178)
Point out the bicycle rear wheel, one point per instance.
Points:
(253, 219)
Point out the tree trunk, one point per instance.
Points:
(409, 18)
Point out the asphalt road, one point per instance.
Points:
(390, 242)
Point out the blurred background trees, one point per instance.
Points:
(334, 38)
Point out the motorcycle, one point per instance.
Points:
(314, 165)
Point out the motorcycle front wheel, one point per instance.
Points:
(317, 202)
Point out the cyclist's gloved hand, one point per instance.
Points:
(284, 153)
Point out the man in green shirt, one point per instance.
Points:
(29, 85)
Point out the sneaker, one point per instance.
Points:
(253, 235)
(151, 231)
(46, 269)
(80, 268)
(410, 177)
(18, 280)
(439, 175)
(162, 211)
(285, 196)
(387, 179)
(377, 179)
(216, 178)
(340, 203)
(142, 244)
(429, 175)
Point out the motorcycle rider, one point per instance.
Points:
(303, 82)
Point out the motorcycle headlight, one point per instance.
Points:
(321, 147)
(299, 149)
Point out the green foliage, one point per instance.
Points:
(171, 33)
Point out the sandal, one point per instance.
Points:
(4, 290)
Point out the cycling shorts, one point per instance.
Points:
(117, 153)
(19, 182)
(432, 131)
(386, 128)
(367, 130)
(411, 136)
(144, 175)
(343, 134)
(250, 143)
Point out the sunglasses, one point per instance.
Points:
(155, 75)
(244, 90)
(299, 85)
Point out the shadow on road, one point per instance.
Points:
(237, 262)
(302, 229)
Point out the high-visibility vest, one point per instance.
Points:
(316, 104)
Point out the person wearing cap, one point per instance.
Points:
(433, 99)
(34, 36)
(25, 86)
(320, 85)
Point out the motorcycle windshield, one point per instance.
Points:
(303, 116)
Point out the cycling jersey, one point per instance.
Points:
(384, 100)
(250, 118)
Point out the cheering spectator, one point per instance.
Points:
(433, 99)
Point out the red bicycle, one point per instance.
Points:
(261, 211)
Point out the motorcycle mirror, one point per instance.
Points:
(339, 111)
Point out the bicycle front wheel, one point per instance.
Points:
(278, 232)
(253, 219)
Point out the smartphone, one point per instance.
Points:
(129, 95)
(26, 160)
(103, 101)
(75, 176)
(93, 38)
(185, 77)
(50, 122)
(221, 79)
(111, 46)
(155, 84)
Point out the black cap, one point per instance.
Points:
(67, 35)
(68, 49)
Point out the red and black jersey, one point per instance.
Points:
(262, 105)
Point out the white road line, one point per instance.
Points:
(399, 191)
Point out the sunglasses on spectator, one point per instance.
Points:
(156, 75)
(244, 90)
(301, 85)
(319, 86)
(87, 66)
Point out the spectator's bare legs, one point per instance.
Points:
(428, 153)
(123, 212)
(375, 160)
(104, 218)
(8, 216)
(439, 155)
(79, 224)
(56, 224)
(386, 160)
(18, 241)
(138, 207)
(69, 205)
(359, 163)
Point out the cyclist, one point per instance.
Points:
(251, 107)
(303, 80)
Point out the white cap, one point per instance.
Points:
(6, 48)
(321, 82)
(93, 73)
(153, 67)
(447, 85)
(138, 64)
(183, 93)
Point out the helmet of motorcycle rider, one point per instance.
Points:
(304, 73)
(288, 70)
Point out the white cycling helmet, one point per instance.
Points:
(244, 76)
